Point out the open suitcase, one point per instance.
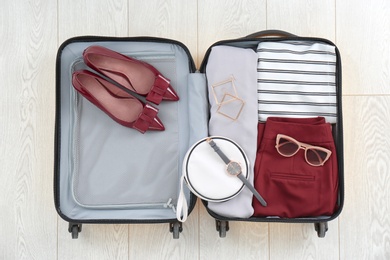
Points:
(107, 173)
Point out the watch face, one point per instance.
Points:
(234, 168)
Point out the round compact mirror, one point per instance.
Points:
(208, 176)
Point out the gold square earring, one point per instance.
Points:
(226, 97)
(232, 107)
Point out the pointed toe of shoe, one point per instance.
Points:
(170, 95)
(161, 90)
(156, 125)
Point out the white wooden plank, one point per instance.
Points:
(244, 240)
(300, 241)
(365, 220)
(228, 19)
(363, 38)
(28, 219)
(90, 17)
(94, 242)
(173, 19)
(303, 17)
(154, 241)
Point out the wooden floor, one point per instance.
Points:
(31, 32)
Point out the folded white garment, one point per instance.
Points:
(297, 79)
(232, 87)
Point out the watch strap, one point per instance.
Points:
(218, 151)
(252, 189)
(240, 176)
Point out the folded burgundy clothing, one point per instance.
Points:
(292, 187)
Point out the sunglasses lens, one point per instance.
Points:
(315, 156)
(287, 147)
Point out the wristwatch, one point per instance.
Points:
(234, 168)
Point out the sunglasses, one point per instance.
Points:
(314, 155)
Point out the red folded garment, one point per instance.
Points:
(292, 187)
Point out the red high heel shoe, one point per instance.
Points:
(117, 103)
(135, 75)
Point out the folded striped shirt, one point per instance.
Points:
(296, 79)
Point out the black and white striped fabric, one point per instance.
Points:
(296, 79)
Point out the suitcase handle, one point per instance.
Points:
(267, 33)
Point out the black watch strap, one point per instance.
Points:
(218, 151)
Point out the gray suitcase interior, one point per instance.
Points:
(106, 171)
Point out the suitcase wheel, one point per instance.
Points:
(321, 228)
(74, 229)
(176, 228)
(222, 227)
